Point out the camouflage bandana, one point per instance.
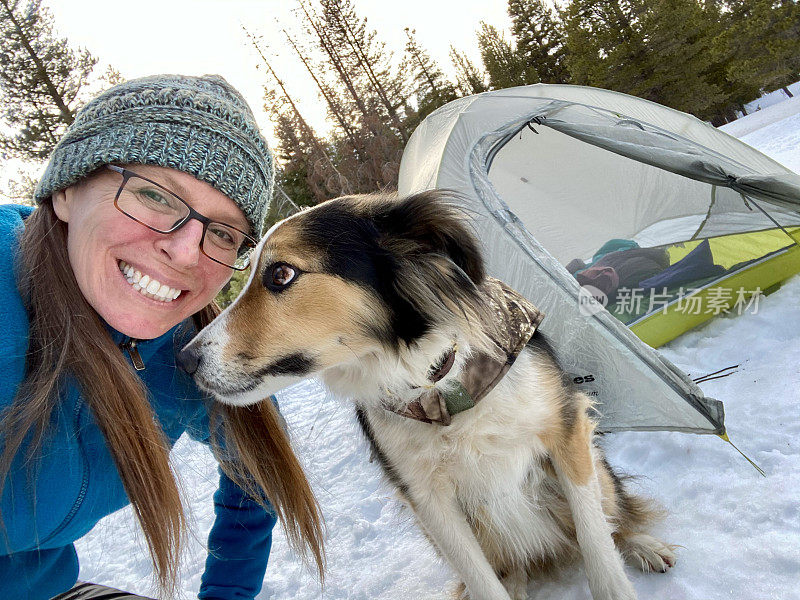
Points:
(517, 320)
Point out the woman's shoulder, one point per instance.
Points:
(12, 216)
(12, 220)
(14, 333)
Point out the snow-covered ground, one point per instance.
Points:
(771, 98)
(739, 533)
(774, 130)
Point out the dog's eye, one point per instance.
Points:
(279, 275)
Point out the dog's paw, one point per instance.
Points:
(648, 553)
(612, 587)
(516, 584)
(460, 592)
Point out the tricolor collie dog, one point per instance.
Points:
(471, 418)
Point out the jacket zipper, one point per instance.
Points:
(129, 345)
(84, 481)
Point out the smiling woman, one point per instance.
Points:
(102, 237)
(154, 195)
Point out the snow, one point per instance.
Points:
(771, 98)
(765, 119)
(739, 533)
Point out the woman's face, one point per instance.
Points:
(102, 242)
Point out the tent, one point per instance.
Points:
(560, 176)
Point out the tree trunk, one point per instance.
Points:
(372, 77)
(327, 95)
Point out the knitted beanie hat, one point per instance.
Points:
(198, 125)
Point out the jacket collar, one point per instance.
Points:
(139, 352)
(516, 320)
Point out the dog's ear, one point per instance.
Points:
(432, 222)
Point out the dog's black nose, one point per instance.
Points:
(189, 360)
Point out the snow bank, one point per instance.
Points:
(763, 118)
(772, 98)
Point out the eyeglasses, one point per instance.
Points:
(155, 207)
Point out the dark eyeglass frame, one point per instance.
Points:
(249, 242)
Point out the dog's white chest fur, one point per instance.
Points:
(490, 456)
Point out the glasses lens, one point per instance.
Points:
(151, 204)
(227, 245)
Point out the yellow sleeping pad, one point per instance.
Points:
(775, 258)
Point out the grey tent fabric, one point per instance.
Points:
(639, 142)
(474, 146)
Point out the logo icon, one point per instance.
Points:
(591, 300)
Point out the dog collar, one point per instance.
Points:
(516, 321)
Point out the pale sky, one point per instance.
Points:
(195, 37)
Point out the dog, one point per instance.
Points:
(462, 401)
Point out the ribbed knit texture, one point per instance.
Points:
(198, 125)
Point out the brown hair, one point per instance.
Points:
(67, 337)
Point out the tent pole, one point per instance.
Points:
(769, 216)
(708, 214)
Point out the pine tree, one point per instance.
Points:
(373, 98)
(763, 41)
(335, 65)
(506, 68)
(539, 35)
(605, 46)
(366, 58)
(42, 80)
(679, 62)
(469, 80)
(308, 173)
(431, 86)
(337, 107)
(661, 50)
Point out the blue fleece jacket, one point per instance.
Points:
(75, 483)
